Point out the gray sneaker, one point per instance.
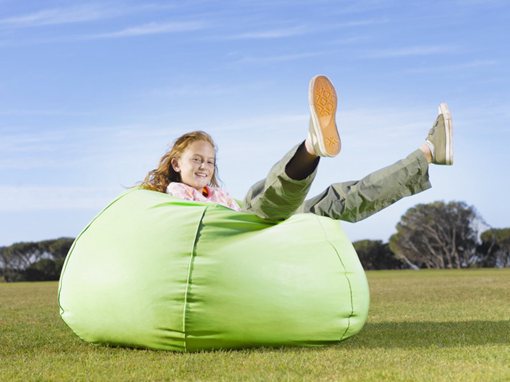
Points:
(440, 138)
(323, 133)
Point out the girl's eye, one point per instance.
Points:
(196, 160)
(211, 163)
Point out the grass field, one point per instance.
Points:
(423, 326)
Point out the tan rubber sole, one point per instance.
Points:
(323, 105)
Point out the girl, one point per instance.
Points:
(188, 170)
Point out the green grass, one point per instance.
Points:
(423, 326)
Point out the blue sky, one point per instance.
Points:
(93, 93)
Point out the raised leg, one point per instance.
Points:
(356, 200)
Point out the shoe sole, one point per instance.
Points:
(443, 109)
(323, 103)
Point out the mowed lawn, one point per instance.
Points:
(446, 325)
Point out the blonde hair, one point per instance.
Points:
(159, 178)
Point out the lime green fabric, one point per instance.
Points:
(157, 272)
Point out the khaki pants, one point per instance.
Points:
(277, 197)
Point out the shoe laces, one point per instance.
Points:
(433, 129)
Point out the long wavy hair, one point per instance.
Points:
(159, 178)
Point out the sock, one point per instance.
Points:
(309, 145)
(431, 147)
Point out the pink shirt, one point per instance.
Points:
(208, 194)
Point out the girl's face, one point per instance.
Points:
(196, 164)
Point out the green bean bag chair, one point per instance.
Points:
(158, 272)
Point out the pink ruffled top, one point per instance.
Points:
(208, 194)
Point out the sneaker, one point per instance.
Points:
(440, 138)
(322, 133)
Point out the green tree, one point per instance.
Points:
(43, 270)
(374, 254)
(495, 248)
(18, 257)
(2, 265)
(438, 235)
(28, 261)
(58, 248)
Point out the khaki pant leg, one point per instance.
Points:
(357, 200)
(278, 196)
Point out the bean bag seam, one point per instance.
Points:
(188, 279)
(346, 277)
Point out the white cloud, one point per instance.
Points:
(348, 40)
(276, 33)
(77, 14)
(59, 16)
(277, 58)
(151, 29)
(191, 89)
(272, 33)
(42, 164)
(29, 142)
(360, 23)
(30, 198)
(352, 7)
(43, 112)
(58, 148)
(442, 68)
(411, 51)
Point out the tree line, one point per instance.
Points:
(34, 261)
(434, 235)
(439, 235)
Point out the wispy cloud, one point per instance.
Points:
(277, 58)
(356, 7)
(76, 14)
(299, 30)
(151, 29)
(271, 33)
(360, 23)
(28, 142)
(59, 16)
(445, 68)
(285, 122)
(43, 112)
(348, 40)
(411, 51)
(191, 89)
(133, 31)
(30, 198)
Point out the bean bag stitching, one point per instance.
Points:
(347, 278)
(188, 280)
(68, 256)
